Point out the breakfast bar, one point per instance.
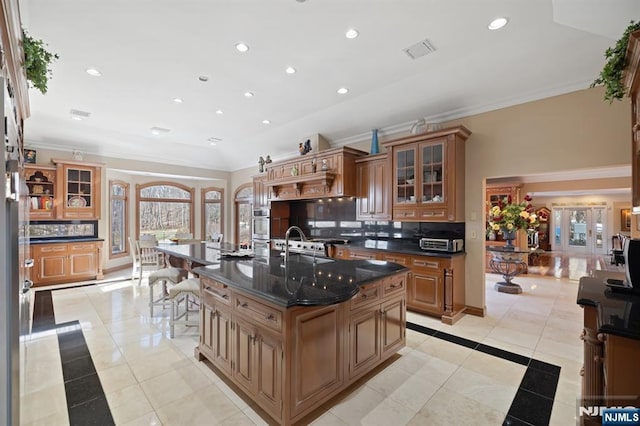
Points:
(293, 334)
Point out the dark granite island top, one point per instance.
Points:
(618, 313)
(299, 281)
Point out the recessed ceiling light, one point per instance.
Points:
(75, 117)
(159, 130)
(213, 141)
(203, 78)
(343, 90)
(219, 111)
(266, 122)
(248, 94)
(351, 33)
(79, 115)
(177, 100)
(497, 23)
(290, 70)
(93, 72)
(242, 47)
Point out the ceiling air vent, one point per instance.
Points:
(419, 49)
(79, 115)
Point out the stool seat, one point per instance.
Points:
(189, 292)
(163, 276)
(175, 275)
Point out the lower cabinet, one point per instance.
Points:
(292, 360)
(59, 263)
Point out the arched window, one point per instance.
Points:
(243, 199)
(119, 214)
(212, 211)
(164, 209)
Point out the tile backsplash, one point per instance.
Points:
(336, 218)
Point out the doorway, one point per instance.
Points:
(580, 230)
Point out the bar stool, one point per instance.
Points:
(163, 276)
(189, 292)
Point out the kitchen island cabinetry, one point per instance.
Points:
(58, 263)
(373, 188)
(428, 176)
(291, 359)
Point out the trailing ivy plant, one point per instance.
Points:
(37, 60)
(611, 74)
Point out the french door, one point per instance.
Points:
(580, 230)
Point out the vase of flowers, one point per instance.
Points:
(507, 217)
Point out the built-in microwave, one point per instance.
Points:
(260, 224)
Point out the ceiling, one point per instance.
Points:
(152, 51)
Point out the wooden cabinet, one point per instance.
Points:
(78, 190)
(428, 176)
(544, 230)
(425, 293)
(632, 85)
(329, 173)
(41, 183)
(260, 192)
(373, 188)
(292, 360)
(66, 262)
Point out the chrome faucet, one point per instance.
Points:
(286, 240)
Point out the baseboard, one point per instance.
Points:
(117, 268)
(479, 312)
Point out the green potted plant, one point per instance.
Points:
(611, 74)
(37, 60)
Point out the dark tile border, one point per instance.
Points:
(86, 401)
(533, 401)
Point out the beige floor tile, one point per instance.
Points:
(251, 414)
(444, 350)
(208, 406)
(415, 339)
(158, 362)
(58, 418)
(436, 370)
(414, 392)
(568, 392)
(128, 404)
(43, 403)
(116, 378)
(149, 419)
(388, 412)
(103, 360)
(565, 349)
(515, 337)
(563, 414)
(146, 346)
(510, 347)
(231, 394)
(174, 384)
(448, 408)
(502, 370)
(239, 419)
(355, 406)
(388, 380)
(483, 389)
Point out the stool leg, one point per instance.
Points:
(151, 300)
(172, 318)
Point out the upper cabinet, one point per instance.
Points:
(260, 192)
(328, 173)
(372, 177)
(41, 183)
(632, 84)
(428, 176)
(78, 189)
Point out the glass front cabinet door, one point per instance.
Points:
(79, 189)
(428, 176)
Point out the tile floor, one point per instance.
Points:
(149, 379)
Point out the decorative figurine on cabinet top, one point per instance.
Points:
(261, 164)
(325, 166)
(305, 148)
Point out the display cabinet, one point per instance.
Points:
(78, 189)
(428, 176)
(631, 83)
(41, 183)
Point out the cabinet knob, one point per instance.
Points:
(602, 337)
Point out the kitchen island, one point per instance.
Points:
(292, 335)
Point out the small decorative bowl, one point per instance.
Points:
(410, 181)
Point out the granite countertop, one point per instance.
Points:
(298, 281)
(34, 241)
(398, 246)
(618, 313)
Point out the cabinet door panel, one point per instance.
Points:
(207, 326)
(425, 292)
(393, 325)
(222, 340)
(269, 371)
(364, 329)
(82, 264)
(53, 267)
(244, 359)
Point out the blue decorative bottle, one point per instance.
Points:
(375, 149)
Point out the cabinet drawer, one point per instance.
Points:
(427, 262)
(82, 247)
(368, 293)
(214, 293)
(366, 255)
(395, 284)
(265, 315)
(396, 258)
(54, 248)
(433, 214)
(404, 214)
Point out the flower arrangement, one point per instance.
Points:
(507, 216)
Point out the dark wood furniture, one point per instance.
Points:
(632, 84)
(428, 176)
(373, 175)
(544, 230)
